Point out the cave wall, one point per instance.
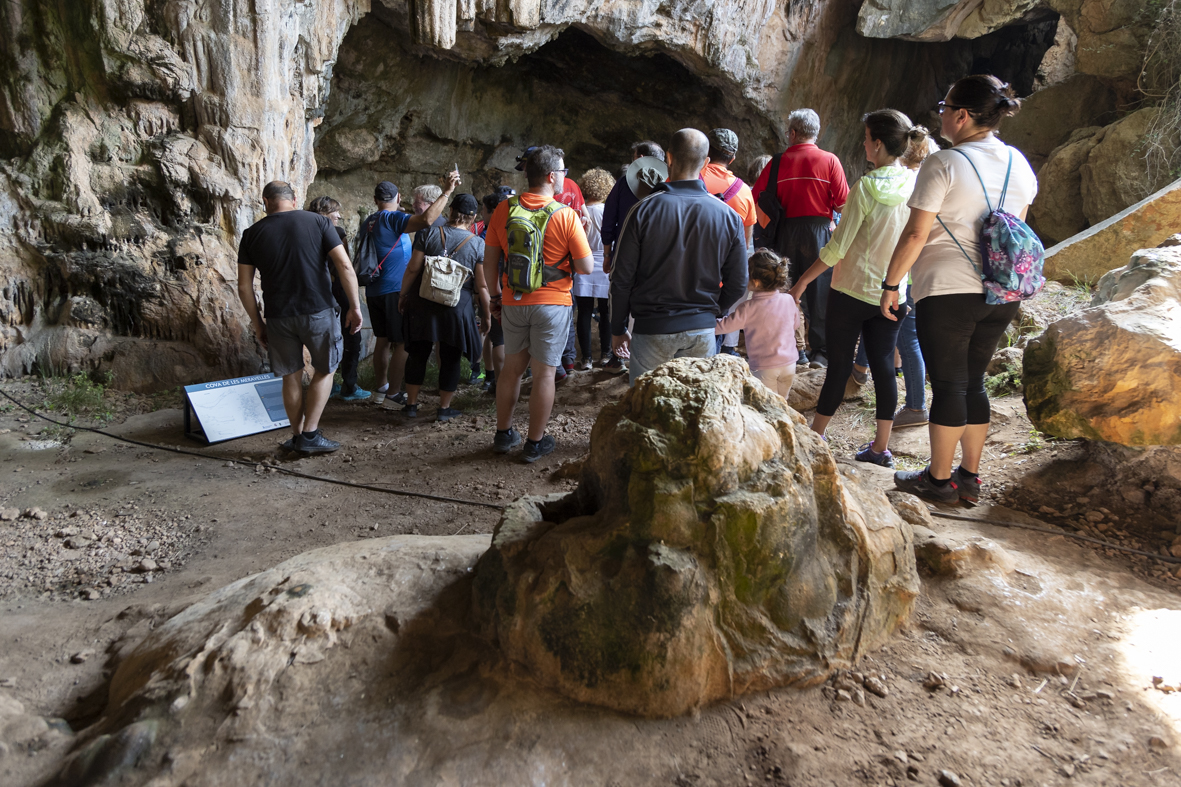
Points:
(136, 135)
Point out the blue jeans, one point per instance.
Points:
(913, 370)
(649, 350)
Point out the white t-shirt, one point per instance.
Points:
(947, 186)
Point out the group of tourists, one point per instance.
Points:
(674, 258)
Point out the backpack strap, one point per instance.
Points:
(982, 186)
(463, 242)
(1005, 188)
(732, 190)
(957, 242)
(443, 238)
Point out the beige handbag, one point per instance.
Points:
(442, 277)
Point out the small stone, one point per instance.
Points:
(1094, 516)
(144, 566)
(844, 696)
(152, 547)
(37, 513)
(859, 697)
(916, 756)
(77, 542)
(91, 594)
(9, 514)
(934, 681)
(1157, 742)
(1068, 769)
(875, 686)
(81, 656)
(1103, 694)
(1047, 510)
(901, 756)
(949, 779)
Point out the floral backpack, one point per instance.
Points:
(1012, 254)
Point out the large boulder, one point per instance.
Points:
(1115, 175)
(713, 547)
(1113, 371)
(1057, 210)
(1096, 250)
(1048, 117)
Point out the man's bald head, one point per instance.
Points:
(278, 197)
(687, 154)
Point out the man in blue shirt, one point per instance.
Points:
(390, 227)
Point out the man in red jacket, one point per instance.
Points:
(811, 187)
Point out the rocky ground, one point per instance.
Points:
(102, 542)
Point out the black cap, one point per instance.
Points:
(465, 204)
(385, 192)
(521, 159)
(505, 191)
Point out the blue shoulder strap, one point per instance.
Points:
(982, 186)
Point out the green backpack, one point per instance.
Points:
(525, 234)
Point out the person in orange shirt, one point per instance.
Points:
(535, 323)
(719, 180)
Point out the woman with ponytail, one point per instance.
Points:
(940, 249)
(874, 216)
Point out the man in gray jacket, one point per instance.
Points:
(680, 262)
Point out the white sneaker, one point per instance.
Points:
(379, 395)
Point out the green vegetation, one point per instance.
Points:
(1005, 383)
(79, 395)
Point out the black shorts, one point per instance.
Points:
(385, 317)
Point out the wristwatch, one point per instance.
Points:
(889, 287)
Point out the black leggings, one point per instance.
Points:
(958, 335)
(586, 305)
(848, 319)
(420, 353)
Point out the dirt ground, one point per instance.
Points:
(131, 535)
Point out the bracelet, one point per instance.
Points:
(889, 287)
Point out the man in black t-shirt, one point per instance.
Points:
(291, 249)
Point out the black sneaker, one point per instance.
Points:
(819, 361)
(918, 482)
(506, 440)
(535, 450)
(398, 398)
(447, 413)
(287, 445)
(410, 411)
(319, 444)
(969, 487)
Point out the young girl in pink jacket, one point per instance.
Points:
(769, 318)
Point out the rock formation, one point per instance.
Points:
(713, 547)
(1096, 250)
(1113, 371)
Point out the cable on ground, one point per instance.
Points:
(296, 473)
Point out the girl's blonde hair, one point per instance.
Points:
(769, 271)
(597, 184)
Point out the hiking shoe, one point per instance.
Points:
(918, 482)
(568, 365)
(802, 360)
(909, 417)
(398, 398)
(586, 365)
(727, 350)
(489, 383)
(490, 389)
(861, 378)
(819, 361)
(318, 444)
(335, 391)
(410, 410)
(506, 440)
(358, 395)
(445, 414)
(474, 374)
(615, 366)
(560, 374)
(379, 395)
(535, 450)
(867, 454)
(969, 487)
(287, 445)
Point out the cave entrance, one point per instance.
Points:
(396, 115)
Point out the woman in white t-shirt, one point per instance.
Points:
(593, 289)
(958, 331)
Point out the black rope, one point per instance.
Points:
(296, 473)
(1036, 529)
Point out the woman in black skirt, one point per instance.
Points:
(454, 328)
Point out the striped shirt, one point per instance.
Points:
(811, 182)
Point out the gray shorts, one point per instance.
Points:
(319, 332)
(541, 330)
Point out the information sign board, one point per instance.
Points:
(229, 409)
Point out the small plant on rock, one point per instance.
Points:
(1005, 383)
(78, 395)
